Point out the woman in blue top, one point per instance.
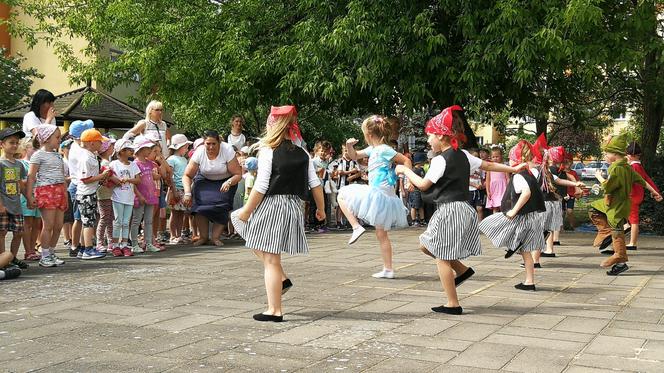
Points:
(376, 203)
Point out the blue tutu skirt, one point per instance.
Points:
(376, 206)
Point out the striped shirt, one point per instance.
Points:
(51, 168)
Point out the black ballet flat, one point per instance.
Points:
(521, 286)
(548, 255)
(264, 317)
(286, 285)
(536, 265)
(631, 248)
(509, 253)
(463, 277)
(448, 310)
(556, 243)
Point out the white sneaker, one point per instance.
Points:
(385, 273)
(57, 260)
(47, 261)
(357, 232)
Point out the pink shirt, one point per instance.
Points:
(147, 186)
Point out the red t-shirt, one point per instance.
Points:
(637, 189)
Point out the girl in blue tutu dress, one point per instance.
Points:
(376, 203)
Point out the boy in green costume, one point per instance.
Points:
(609, 214)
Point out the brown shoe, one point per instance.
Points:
(425, 251)
(619, 249)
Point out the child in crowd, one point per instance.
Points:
(46, 190)
(376, 203)
(610, 213)
(76, 154)
(321, 160)
(347, 172)
(273, 214)
(126, 175)
(7, 270)
(251, 164)
(236, 137)
(572, 192)
(104, 202)
(31, 215)
(475, 187)
(12, 174)
(634, 159)
(69, 213)
(178, 163)
(86, 192)
(452, 233)
(519, 226)
(415, 195)
(496, 182)
(147, 195)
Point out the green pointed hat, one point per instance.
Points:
(616, 144)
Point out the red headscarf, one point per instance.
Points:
(441, 125)
(293, 128)
(515, 152)
(557, 154)
(539, 147)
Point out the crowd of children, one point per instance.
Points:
(104, 191)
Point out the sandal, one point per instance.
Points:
(218, 243)
(32, 257)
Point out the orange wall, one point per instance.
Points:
(5, 40)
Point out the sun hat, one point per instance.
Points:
(179, 140)
(123, 144)
(251, 163)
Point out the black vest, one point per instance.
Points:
(561, 190)
(535, 202)
(290, 171)
(453, 185)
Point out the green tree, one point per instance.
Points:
(15, 81)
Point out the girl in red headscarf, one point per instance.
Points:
(271, 220)
(452, 233)
(518, 226)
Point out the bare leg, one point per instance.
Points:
(76, 229)
(549, 245)
(385, 248)
(27, 235)
(67, 231)
(634, 236)
(3, 235)
(556, 236)
(349, 214)
(217, 229)
(530, 268)
(446, 275)
(16, 242)
(273, 274)
(535, 256)
(203, 229)
(57, 227)
(458, 267)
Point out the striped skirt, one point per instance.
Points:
(275, 227)
(522, 234)
(452, 233)
(552, 218)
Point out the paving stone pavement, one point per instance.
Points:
(189, 310)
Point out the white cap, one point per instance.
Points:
(179, 140)
(144, 143)
(245, 149)
(122, 144)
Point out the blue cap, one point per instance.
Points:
(251, 163)
(78, 127)
(419, 157)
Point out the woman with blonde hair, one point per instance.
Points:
(272, 221)
(153, 126)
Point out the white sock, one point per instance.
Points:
(45, 252)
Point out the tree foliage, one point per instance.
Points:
(337, 59)
(15, 81)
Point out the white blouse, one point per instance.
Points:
(214, 169)
(264, 173)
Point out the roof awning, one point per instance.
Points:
(105, 110)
